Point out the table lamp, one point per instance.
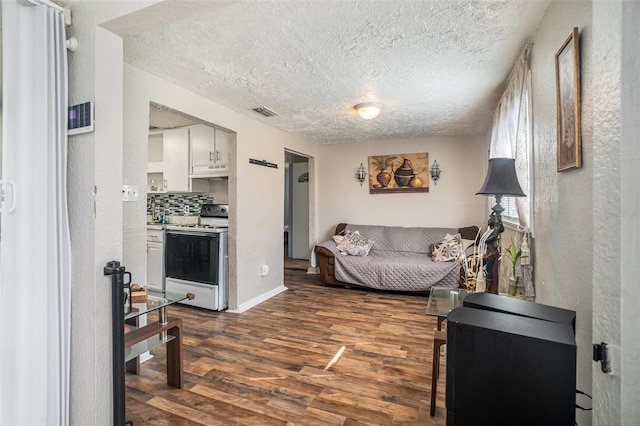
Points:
(501, 181)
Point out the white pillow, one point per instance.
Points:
(342, 243)
(353, 244)
(450, 248)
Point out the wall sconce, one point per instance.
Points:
(435, 172)
(368, 110)
(361, 174)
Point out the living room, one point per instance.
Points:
(572, 210)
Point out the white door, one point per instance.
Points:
(299, 235)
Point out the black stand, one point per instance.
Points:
(493, 250)
(119, 286)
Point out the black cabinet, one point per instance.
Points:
(508, 368)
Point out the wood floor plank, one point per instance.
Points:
(363, 402)
(201, 367)
(299, 415)
(381, 349)
(145, 414)
(184, 412)
(209, 411)
(266, 366)
(403, 392)
(285, 388)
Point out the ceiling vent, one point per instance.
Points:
(265, 111)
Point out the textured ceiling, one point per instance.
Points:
(437, 66)
(162, 117)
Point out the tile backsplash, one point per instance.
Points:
(174, 203)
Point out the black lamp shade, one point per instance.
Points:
(501, 179)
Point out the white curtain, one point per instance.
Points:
(35, 261)
(511, 131)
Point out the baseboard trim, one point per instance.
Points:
(243, 307)
(313, 270)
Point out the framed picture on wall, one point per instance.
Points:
(568, 103)
(397, 173)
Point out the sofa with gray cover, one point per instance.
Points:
(400, 258)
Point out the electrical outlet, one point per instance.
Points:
(186, 210)
(264, 270)
(129, 192)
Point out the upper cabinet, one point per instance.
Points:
(209, 151)
(168, 166)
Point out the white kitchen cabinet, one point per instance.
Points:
(155, 259)
(209, 151)
(176, 160)
(222, 146)
(168, 166)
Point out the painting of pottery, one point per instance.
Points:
(396, 173)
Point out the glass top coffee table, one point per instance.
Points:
(443, 299)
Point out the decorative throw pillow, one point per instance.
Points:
(360, 245)
(449, 249)
(342, 243)
(353, 243)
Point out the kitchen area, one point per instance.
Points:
(187, 207)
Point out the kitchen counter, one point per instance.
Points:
(155, 226)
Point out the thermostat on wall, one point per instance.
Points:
(81, 118)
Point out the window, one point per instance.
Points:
(511, 137)
(510, 213)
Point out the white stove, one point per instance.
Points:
(197, 258)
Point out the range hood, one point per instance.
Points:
(209, 170)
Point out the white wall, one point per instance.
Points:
(0, 99)
(256, 193)
(616, 208)
(450, 203)
(95, 161)
(0, 126)
(134, 172)
(563, 203)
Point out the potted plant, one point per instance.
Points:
(514, 254)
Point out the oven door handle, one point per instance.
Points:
(191, 234)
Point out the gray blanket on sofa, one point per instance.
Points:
(400, 259)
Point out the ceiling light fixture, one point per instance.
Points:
(368, 110)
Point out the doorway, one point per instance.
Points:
(296, 211)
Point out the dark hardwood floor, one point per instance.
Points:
(272, 365)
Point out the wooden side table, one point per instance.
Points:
(173, 327)
(166, 331)
(439, 339)
(441, 301)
